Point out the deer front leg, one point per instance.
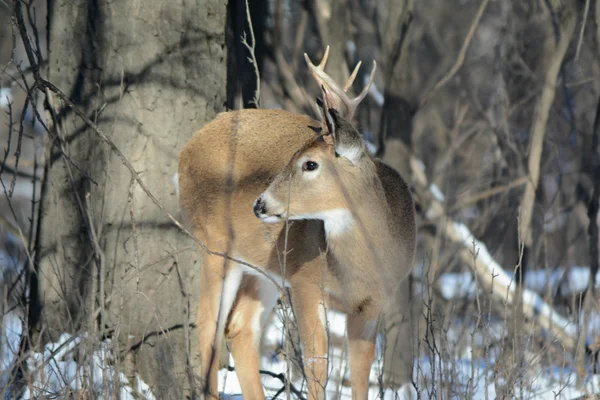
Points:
(256, 298)
(362, 326)
(218, 289)
(307, 299)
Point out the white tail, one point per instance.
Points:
(271, 164)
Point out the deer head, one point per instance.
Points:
(313, 179)
(317, 176)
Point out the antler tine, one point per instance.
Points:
(320, 75)
(321, 65)
(356, 101)
(350, 80)
(324, 59)
(336, 96)
(325, 81)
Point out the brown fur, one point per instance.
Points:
(222, 170)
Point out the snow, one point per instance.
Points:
(501, 277)
(436, 192)
(5, 97)
(371, 147)
(457, 285)
(376, 95)
(543, 383)
(55, 370)
(13, 328)
(570, 280)
(175, 182)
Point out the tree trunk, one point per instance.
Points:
(395, 142)
(110, 263)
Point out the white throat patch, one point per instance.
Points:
(337, 221)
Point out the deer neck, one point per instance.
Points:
(362, 225)
(362, 250)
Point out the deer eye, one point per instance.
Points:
(309, 166)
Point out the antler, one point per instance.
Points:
(335, 96)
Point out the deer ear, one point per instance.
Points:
(346, 139)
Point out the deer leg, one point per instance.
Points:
(307, 299)
(256, 298)
(218, 289)
(362, 326)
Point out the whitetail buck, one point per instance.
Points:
(352, 239)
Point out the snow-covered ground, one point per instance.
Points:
(553, 382)
(55, 371)
(56, 368)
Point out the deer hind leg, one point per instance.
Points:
(218, 289)
(362, 326)
(256, 298)
(307, 299)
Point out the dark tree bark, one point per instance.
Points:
(109, 262)
(395, 142)
(241, 74)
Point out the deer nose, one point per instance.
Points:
(260, 207)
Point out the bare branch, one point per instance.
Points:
(461, 54)
(581, 32)
(490, 273)
(252, 58)
(540, 121)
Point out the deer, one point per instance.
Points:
(301, 202)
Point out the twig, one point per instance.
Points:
(488, 193)
(281, 377)
(300, 33)
(586, 10)
(186, 331)
(399, 44)
(134, 233)
(28, 102)
(594, 203)
(99, 256)
(540, 121)
(252, 58)
(286, 75)
(490, 273)
(19, 231)
(590, 291)
(10, 132)
(461, 54)
(282, 267)
(49, 86)
(9, 71)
